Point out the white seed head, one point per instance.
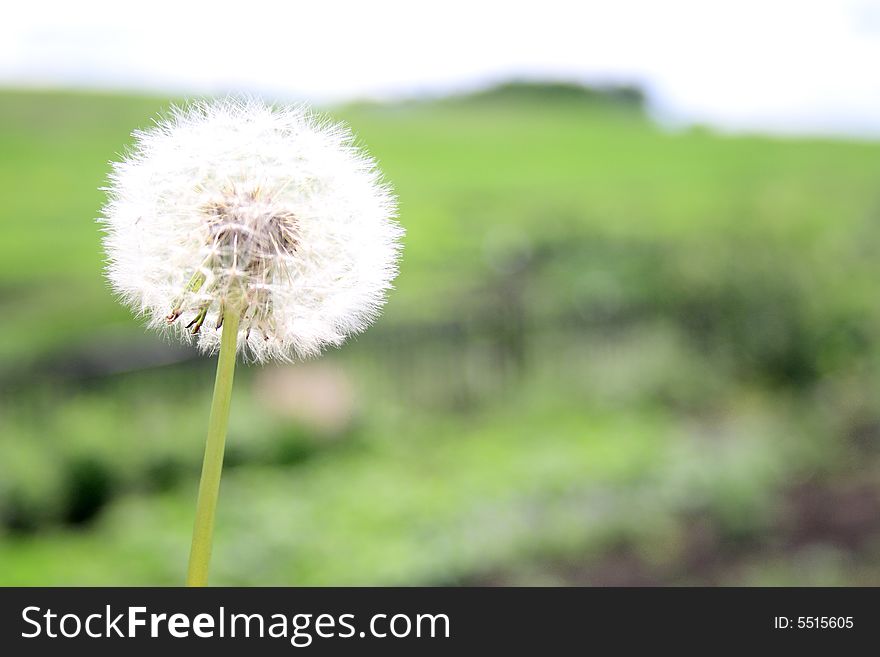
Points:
(238, 206)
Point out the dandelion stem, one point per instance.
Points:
(209, 486)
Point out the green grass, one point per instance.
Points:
(471, 178)
(605, 337)
(429, 508)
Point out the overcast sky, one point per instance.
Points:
(773, 65)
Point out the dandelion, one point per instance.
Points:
(245, 228)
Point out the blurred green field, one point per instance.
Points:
(615, 355)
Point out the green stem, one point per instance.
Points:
(209, 486)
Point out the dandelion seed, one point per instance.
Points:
(268, 207)
(243, 227)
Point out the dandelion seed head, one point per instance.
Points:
(238, 206)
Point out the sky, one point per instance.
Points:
(783, 66)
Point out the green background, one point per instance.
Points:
(616, 354)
